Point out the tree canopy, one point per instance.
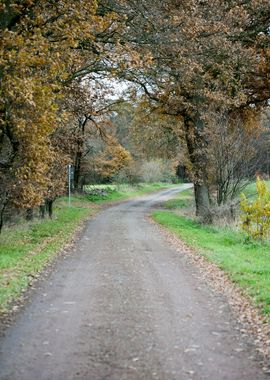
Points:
(191, 62)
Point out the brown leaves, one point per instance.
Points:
(253, 322)
(40, 48)
(112, 160)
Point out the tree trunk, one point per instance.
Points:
(202, 201)
(196, 143)
(82, 183)
(3, 207)
(49, 207)
(29, 214)
(79, 153)
(77, 171)
(42, 211)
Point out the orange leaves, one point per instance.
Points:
(112, 160)
(40, 48)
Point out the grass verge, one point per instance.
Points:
(248, 265)
(27, 248)
(183, 200)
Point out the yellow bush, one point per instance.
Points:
(255, 218)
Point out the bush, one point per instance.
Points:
(256, 214)
(97, 194)
(158, 170)
(127, 175)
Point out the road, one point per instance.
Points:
(125, 305)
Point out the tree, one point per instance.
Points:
(90, 106)
(44, 47)
(111, 160)
(203, 54)
(186, 56)
(155, 134)
(234, 150)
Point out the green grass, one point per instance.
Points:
(248, 265)
(122, 192)
(250, 191)
(184, 199)
(25, 249)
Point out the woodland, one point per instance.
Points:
(116, 86)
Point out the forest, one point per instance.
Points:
(121, 89)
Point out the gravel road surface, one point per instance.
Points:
(125, 305)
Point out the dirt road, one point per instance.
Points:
(126, 306)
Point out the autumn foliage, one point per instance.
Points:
(186, 61)
(206, 56)
(44, 46)
(256, 214)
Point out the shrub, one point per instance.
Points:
(98, 194)
(158, 170)
(255, 218)
(128, 175)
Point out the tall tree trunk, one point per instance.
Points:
(82, 183)
(79, 153)
(49, 207)
(2, 210)
(77, 171)
(42, 211)
(202, 201)
(196, 143)
(29, 214)
(3, 206)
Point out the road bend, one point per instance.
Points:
(126, 305)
